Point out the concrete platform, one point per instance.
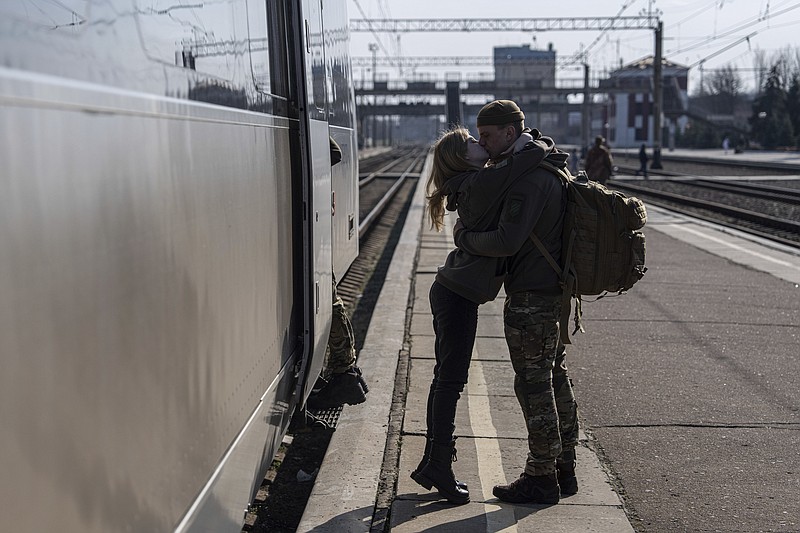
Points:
(364, 470)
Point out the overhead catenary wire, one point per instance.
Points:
(746, 25)
(374, 33)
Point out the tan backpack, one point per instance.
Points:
(602, 250)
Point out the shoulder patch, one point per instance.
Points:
(513, 208)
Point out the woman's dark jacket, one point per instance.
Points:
(478, 198)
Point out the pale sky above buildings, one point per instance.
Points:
(697, 33)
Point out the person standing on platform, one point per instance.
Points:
(534, 205)
(346, 384)
(726, 145)
(642, 161)
(599, 163)
(459, 181)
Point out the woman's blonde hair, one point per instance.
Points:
(449, 160)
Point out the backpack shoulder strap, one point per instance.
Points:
(546, 254)
(562, 173)
(566, 275)
(565, 177)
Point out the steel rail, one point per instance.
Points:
(752, 190)
(781, 224)
(365, 225)
(753, 231)
(768, 192)
(381, 171)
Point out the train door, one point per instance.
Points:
(341, 122)
(318, 211)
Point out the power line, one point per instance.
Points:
(585, 52)
(718, 52)
(694, 15)
(742, 26)
(374, 33)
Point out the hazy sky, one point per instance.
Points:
(693, 31)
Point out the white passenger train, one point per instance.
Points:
(167, 240)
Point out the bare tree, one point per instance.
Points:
(723, 86)
(783, 61)
(761, 65)
(724, 81)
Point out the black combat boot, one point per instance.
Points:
(345, 388)
(438, 472)
(361, 380)
(565, 464)
(425, 456)
(530, 489)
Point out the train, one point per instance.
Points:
(170, 228)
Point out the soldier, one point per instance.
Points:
(459, 181)
(599, 164)
(346, 384)
(533, 205)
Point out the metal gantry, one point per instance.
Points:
(504, 24)
(650, 21)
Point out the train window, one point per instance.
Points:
(338, 65)
(207, 37)
(315, 69)
(278, 56)
(210, 38)
(260, 45)
(46, 37)
(66, 16)
(226, 52)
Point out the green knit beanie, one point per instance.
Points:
(499, 112)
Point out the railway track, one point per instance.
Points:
(758, 207)
(385, 190)
(378, 188)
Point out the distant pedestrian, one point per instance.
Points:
(642, 161)
(599, 164)
(726, 145)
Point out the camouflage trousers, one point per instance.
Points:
(341, 341)
(541, 382)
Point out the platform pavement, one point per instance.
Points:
(492, 440)
(346, 494)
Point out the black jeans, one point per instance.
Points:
(455, 322)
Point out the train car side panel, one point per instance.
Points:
(149, 333)
(166, 252)
(149, 297)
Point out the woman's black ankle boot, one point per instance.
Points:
(425, 457)
(438, 472)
